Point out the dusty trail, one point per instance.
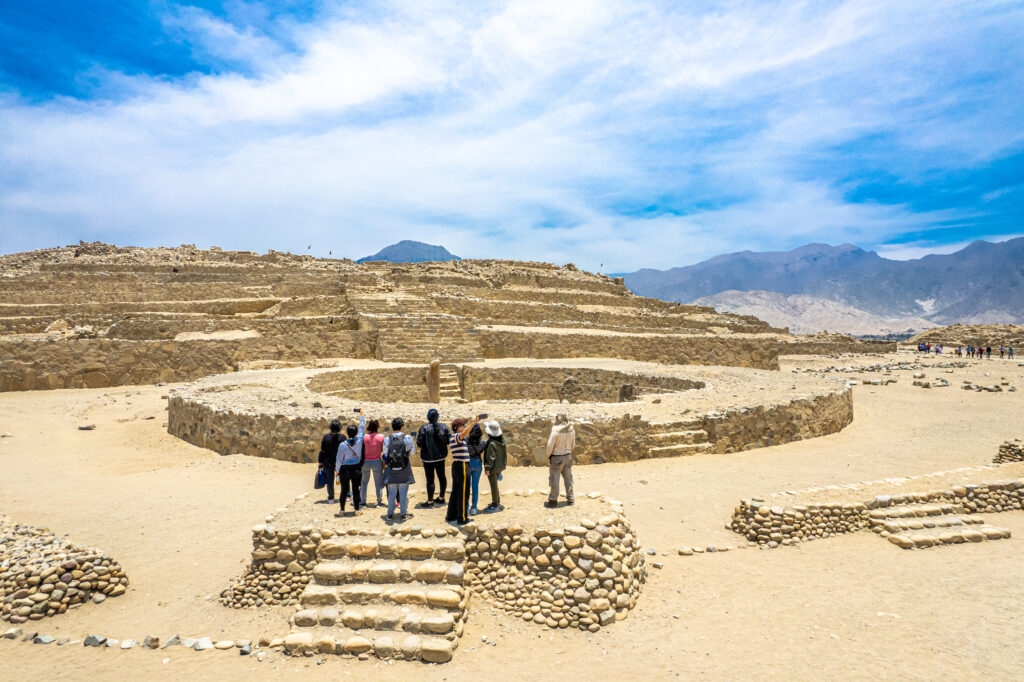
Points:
(852, 607)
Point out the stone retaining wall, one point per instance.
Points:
(766, 425)
(585, 576)
(42, 575)
(850, 345)
(668, 349)
(98, 363)
(784, 525)
(1010, 451)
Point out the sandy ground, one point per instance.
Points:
(852, 607)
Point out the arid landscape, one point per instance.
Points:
(167, 479)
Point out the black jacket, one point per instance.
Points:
(475, 442)
(432, 442)
(328, 456)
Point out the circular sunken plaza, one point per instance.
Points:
(623, 410)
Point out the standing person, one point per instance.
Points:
(1002, 352)
(988, 352)
(458, 502)
(476, 444)
(328, 457)
(1010, 351)
(432, 442)
(494, 459)
(373, 444)
(560, 445)
(398, 449)
(350, 463)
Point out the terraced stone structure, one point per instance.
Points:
(96, 315)
(943, 513)
(403, 591)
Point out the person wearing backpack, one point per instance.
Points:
(350, 463)
(328, 457)
(432, 442)
(494, 459)
(397, 453)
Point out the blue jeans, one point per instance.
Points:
(476, 468)
(398, 490)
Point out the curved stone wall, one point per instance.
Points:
(256, 417)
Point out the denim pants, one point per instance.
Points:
(476, 469)
(398, 492)
(376, 467)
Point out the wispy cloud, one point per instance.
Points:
(600, 132)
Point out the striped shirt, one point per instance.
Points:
(460, 451)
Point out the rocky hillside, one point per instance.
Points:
(809, 314)
(408, 251)
(981, 284)
(994, 335)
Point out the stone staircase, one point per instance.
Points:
(451, 387)
(389, 597)
(373, 301)
(918, 526)
(675, 439)
(422, 338)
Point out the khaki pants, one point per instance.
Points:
(560, 466)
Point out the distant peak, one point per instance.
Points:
(409, 251)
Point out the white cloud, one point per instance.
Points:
(523, 129)
(920, 249)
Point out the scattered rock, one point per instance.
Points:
(94, 640)
(151, 642)
(86, 427)
(173, 641)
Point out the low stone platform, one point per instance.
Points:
(940, 509)
(678, 410)
(364, 587)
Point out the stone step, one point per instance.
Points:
(932, 537)
(442, 546)
(679, 450)
(412, 619)
(439, 595)
(679, 437)
(919, 523)
(667, 427)
(345, 641)
(385, 571)
(913, 510)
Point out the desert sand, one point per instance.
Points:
(177, 517)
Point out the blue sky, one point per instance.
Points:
(616, 135)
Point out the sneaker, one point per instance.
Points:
(490, 509)
(570, 503)
(473, 511)
(331, 500)
(406, 517)
(551, 504)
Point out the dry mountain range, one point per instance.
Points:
(845, 288)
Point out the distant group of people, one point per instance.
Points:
(978, 352)
(477, 450)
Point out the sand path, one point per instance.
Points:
(852, 607)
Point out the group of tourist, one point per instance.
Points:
(983, 352)
(978, 352)
(477, 449)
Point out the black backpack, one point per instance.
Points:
(398, 458)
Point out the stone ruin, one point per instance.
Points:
(361, 588)
(42, 575)
(96, 315)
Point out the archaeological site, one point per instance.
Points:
(741, 493)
